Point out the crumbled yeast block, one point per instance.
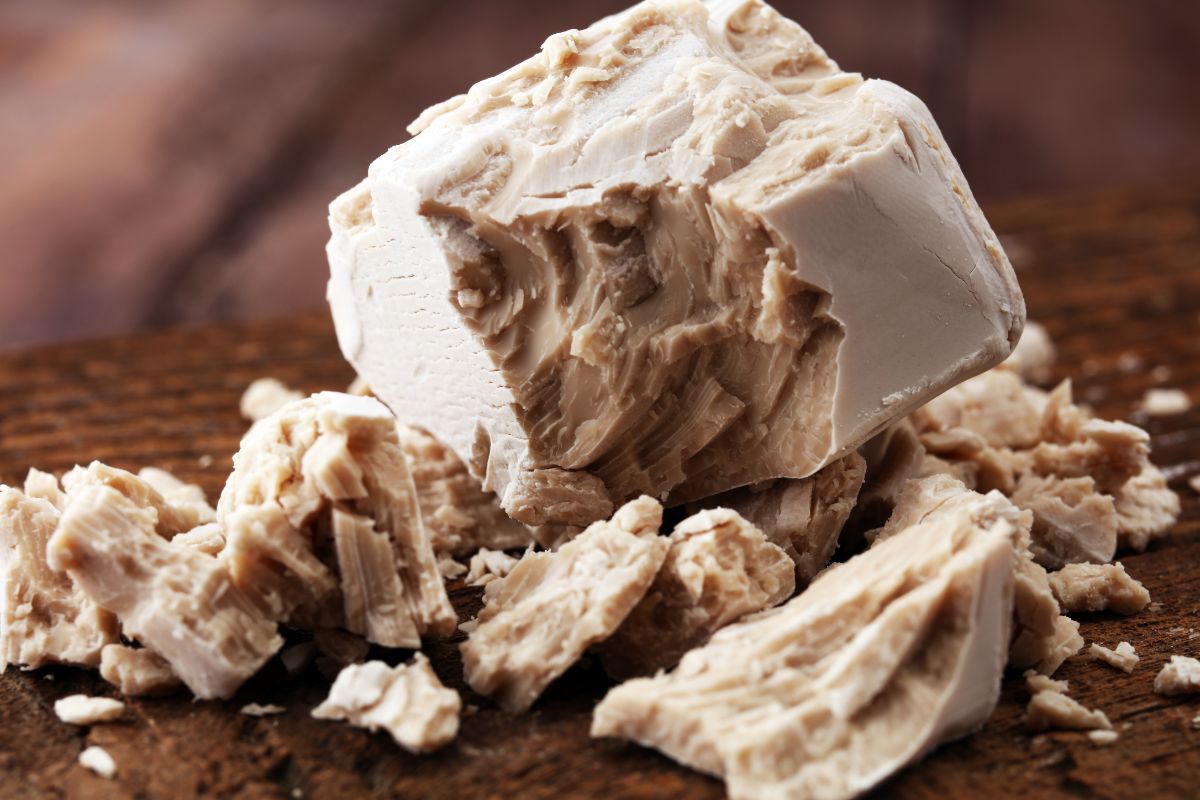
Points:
(885, 656)
(407, 701)
(1055, 649)
(673, 254)
(187, 509)
(79, 709)
(1165, 402)
(1089, 482)
(1034, 356)
(460, 515)
(175, 600)
(1146, 508)
(323, 526)
(804, 516)
(1042, 637)
(44, 618)
(1073, 522)
(487, 566)
(264, 397)
(718, 569)
(98, 761)
(552, 607)
(1098, 587)
(1180, 676)
(137, 671)
(1050, 709)
(1053, 710)
(1124, 657)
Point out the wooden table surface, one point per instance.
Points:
(1115, 278)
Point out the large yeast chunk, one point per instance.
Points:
(673, 254)
(44, 618)
(541, 617)
(174, 599)
(324, 527)
(879, 660)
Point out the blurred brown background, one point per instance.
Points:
(165, 163)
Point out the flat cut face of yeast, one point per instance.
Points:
(675, 253)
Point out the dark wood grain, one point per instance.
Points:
(1115, 277)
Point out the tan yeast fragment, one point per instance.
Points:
(1180, 676)
(137, 672)
(551, 607)
(1124, 657)
(461, 517)
(1089, 482)
(885, 655)
(719, 568)
(175, 600)
(1098, 587)
(264, 397)
(98, 760)
(407, 701)
(44, 618)
(171, 516)
(79, 709)
(324, 526)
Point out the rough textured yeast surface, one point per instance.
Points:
(540, 618)
(804, 516)
(174, 599)
(408, 701)
(719, 568)
(137, 671)
(324, 527)
(675, 253)
(879, 660)
(44, 618)
(460, 515)
(1088, 482)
